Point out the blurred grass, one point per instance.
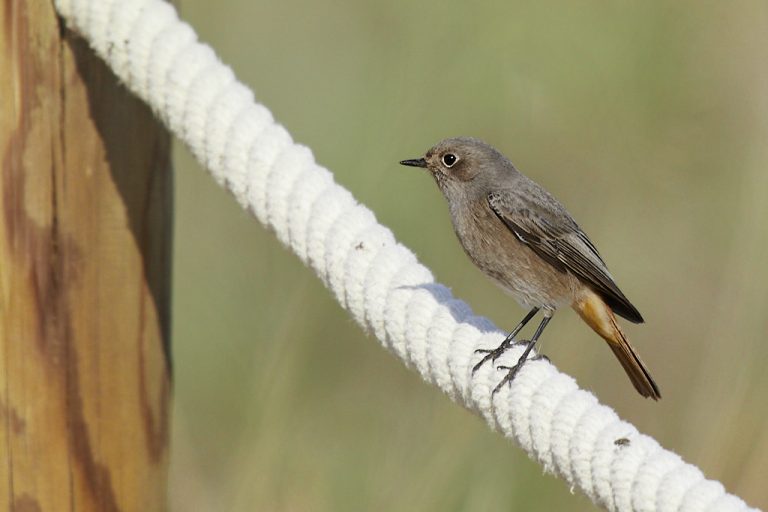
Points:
(649, 120)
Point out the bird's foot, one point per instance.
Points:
(493, 354)
(512, 371)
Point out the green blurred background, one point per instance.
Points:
(649, 120)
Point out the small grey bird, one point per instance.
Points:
(528, 243)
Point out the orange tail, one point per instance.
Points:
(601, 319)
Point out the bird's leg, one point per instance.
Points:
(512, 370)
(494, 354)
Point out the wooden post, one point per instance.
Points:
(85, 188)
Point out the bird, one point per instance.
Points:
(525, 240)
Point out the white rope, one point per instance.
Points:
(377, 280)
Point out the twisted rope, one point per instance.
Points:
(379, 281)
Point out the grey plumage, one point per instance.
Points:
(533, 215)
(527, 242)
(559, 241)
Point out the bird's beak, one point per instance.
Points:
(416, 162)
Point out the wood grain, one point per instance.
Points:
(85, 230)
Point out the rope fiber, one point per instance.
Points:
(377, 280)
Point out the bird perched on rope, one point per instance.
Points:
(527, 242)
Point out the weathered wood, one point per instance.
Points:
(84, 278)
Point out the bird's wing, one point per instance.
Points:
(559, 241)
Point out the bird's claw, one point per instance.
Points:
(494, 353)
(513, 370)
(490, 354)
(509, 377)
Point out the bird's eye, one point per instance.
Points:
(449, 159)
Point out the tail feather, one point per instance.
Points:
(636, 370)
(601, 319)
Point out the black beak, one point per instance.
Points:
(416, 162)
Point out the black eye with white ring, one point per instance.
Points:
(449, 159)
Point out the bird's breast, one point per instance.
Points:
(512, 265)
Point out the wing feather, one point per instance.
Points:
(559, 241)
